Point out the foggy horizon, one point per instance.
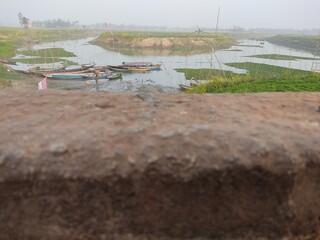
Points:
(283, 14)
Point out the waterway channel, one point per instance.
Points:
(168, 79)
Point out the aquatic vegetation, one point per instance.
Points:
(266, 71)
(48, 52)
(48, 60)
(260, 78)
(282, 57)
(6, 48)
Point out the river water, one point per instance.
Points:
(168, 79)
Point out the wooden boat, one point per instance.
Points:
(121, 68)
(149, 65)
(46, 70)
(118, 68)
(64, 70)
(184, 87)
(77, 76)
(138, 69)
(135, 67)
(114, 76)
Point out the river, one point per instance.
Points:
(168, 79)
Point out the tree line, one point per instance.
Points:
(54, 23)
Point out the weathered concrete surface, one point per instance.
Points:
(80, 165)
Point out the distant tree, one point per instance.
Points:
(75, 24)
(24, 22)
(237, 29)
(55, 23)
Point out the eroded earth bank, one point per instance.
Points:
(81, 165)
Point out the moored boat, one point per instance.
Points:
(114, 76)
(118, 68)
(61, 70)
(184, 87)
(149, 65)
(77, 76)
(121, 68)
(135, 67)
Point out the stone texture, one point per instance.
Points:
(81, 165)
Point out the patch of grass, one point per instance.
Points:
(266, 71)
(293, 85)
(158, 34)
(14, 38)
(261, 78)
(309, 84)
(44, 60)
(219, 84)
(6, 74)
(282, 57)
(4, 83)
(47, 53)
(6, 48)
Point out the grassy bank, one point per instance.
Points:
(282, 57)
(48, 56)
(13, 38)
(304, 42)
(6, 77)
(259, 78)
(170, 42)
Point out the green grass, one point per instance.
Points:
(261, 78)
(266, 71)
(295, 85)
(6, 48)
(147, 34)
(44, 60)
(14, 38)
(4, 83)
(8, 75)
(282, 57)
(308, 84)
(48, 53)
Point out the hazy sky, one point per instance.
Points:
(295, 14)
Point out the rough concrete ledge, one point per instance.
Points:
(80, 165)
